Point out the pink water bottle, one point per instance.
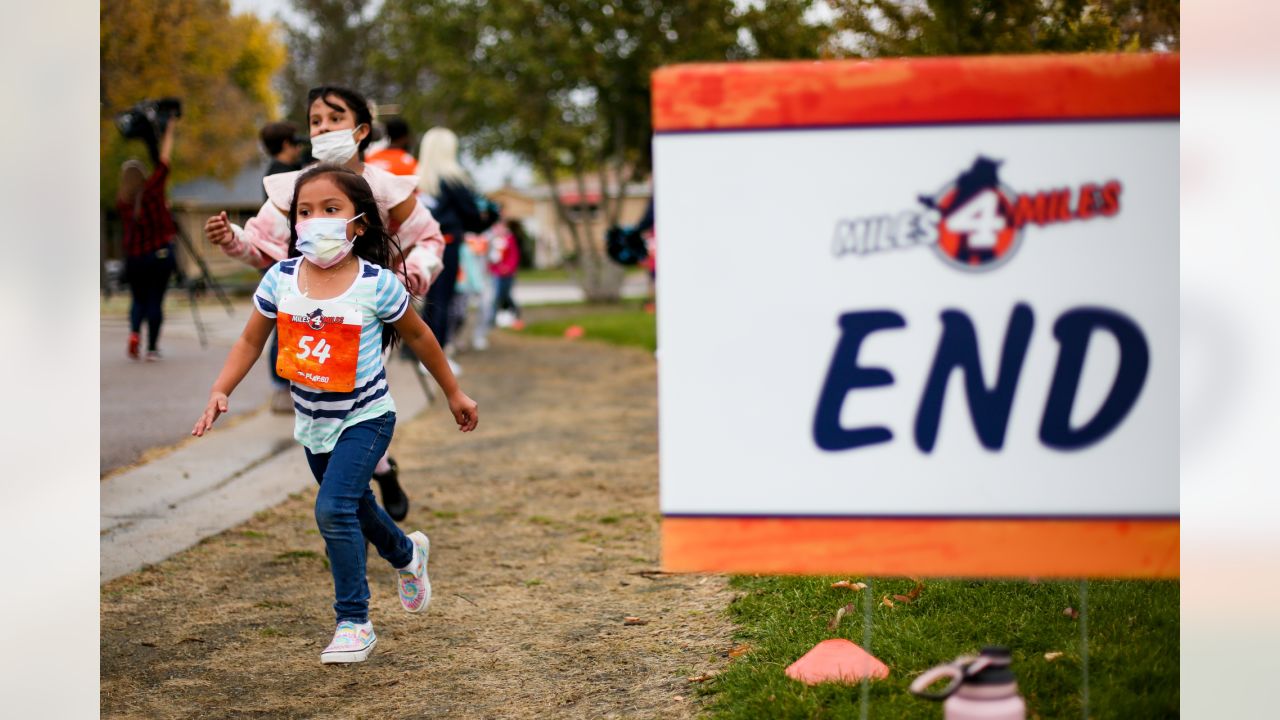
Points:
(981, 688)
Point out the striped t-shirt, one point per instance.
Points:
(380, 297)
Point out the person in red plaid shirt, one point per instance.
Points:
(148, 243)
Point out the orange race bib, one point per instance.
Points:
(319, 343)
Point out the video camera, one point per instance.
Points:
(148, 119)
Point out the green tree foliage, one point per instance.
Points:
(782, 30)
(564, 84)
(332, 42)
(220, 65)
(889, 28)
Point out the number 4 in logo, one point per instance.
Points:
(320, 351)
(979, 219)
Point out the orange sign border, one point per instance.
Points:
(842, 93)
(929, 91)
(926, 547)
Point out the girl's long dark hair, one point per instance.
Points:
(377, 245)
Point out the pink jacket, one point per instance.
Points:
(505, 255)
(264, 239)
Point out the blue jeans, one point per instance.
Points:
(502, 299)
(347, 513)
(148, 277)
(440, 295)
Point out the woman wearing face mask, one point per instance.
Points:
(340, 123)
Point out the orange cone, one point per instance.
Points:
(573, 332)
(837, 661)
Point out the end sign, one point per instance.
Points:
(920, 316)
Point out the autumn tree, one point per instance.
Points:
(220, 65)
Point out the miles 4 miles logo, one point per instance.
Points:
(974, 222)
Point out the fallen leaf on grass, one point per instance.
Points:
(678, 698)
(702, 678)
(1051, 656)
(835, 621)
(902, 598)
(1071, 613)
(631, 620)
(740, 650)
(854, 586)
(917, 589)
(886, 601)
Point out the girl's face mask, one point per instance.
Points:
(335, 146)
(323, 241)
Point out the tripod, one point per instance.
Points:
(190, 283)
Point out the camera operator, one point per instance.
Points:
(148, 242)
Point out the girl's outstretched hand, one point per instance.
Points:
(218, 405)
(218, 229)
(465, 411)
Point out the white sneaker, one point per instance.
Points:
(352, 643)
(455, 367)
(415, 586)
(480, 343)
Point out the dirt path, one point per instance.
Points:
(541, 523)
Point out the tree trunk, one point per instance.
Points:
(601, 277)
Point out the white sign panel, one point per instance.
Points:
(937, 321)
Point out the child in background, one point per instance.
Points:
(474, 291)
(504, 261)
(336, 306)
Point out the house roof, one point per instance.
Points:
(243, 191)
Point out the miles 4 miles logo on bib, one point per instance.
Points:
(319, 343)
(974, 222)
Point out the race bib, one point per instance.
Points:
(319, 343)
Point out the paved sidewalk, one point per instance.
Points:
(547, 293)
(147, 405)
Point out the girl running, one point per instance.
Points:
(340, 122)
(336, 305)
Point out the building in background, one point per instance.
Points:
(194, 201)
(536, 209)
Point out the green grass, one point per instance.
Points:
(563, 274)
(625, 324)
(555, 274)
(1133, 645)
